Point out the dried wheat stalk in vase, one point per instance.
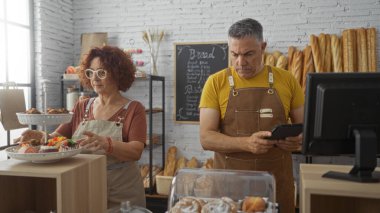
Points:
(361, 42)
(371, 48)
(336, 50)
(318, 65)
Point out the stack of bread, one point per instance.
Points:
(354, 51)
(249, 204)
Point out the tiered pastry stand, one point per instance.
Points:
(44, 120)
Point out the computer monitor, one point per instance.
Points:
(342, 117)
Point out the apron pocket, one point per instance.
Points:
(247, 121)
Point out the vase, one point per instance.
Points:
(153, 66)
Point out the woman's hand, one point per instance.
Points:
(291, 143)
(257, 143)
(93, 142)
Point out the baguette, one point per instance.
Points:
(269, 60)
(318, 65)
(349, 50)
(291, 51)
(336, 50)
(308, 65)
(362, 50)
(322, 49)
(328, 58)
(371, 48)
(282, 62)
(297, 66)
(276, 54)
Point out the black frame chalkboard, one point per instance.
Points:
(194, 62)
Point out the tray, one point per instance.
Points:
(47, 157)
(43, 119)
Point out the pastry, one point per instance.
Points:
(253, 204)
(188, 205)
(234, 205)
(32, 136)
(32, 111)
(217, 206)
(57, 111)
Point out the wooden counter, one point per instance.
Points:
(318, 194)
(76, 184)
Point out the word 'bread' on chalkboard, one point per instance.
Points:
(194, 62)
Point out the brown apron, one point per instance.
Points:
(256, 109)
(124, 182)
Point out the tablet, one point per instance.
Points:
(283, 131)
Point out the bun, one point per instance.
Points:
(254, 204)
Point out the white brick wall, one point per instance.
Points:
(59, 25)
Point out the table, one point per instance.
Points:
(76, 184)
(318, 194)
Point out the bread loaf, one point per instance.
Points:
(322, 50)
(181, 163)
(308, 65)
(269, 60)
(328, 57)
(297, 66)
(282, 62)
(291, 51)
(336, 50)
(371, 48)
(193, 163)
(170, 161)
(254, 204)
(276, 54)
(349, 50)
(362, 54)
(318, 64)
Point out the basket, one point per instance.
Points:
(163, 184)
(43, 119)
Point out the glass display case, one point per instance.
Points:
(215, 190)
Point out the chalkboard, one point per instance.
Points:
(194, 62)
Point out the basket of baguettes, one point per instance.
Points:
(353, 51)
(163, 178)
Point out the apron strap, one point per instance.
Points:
(87, 109)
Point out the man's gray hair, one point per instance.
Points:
(246, 28)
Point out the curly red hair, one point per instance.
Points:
(115, 61)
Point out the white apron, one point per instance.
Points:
(124, 181)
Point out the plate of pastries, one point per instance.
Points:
(52, 116)
(249, 204)
(32, 147)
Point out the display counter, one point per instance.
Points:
(319, 194)
(76, 184)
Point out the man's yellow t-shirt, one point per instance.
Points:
(216, 90)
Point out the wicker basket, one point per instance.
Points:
(43, 119)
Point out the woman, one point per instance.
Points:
(111, 124)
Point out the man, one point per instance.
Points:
(240, 104)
